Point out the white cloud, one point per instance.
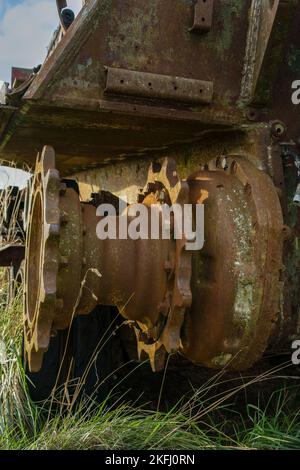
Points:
(25, 31)
(13, 177)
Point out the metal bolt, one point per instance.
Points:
(252, 114)
(278, 129)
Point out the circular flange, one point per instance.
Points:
(237, 276)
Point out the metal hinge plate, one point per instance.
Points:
(155, 86)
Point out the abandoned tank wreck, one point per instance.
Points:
(161, 103)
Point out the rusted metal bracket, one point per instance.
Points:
(203, 15)
(155, 86)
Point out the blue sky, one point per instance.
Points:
(26, 27)
(4, 4)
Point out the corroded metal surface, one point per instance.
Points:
(223, 309)
(237, 277)
(250, 54)
(69, 270)
(69, 89)
(124, 84)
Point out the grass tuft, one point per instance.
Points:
(207, 420)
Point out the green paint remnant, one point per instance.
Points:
(293, 59)
(230, 10)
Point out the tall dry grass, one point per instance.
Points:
(118, 425)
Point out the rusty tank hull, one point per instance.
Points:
(164, 103)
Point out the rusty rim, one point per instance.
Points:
(33, 269)
(41, 259)
(237, 277)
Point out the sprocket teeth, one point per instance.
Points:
(38, 326)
